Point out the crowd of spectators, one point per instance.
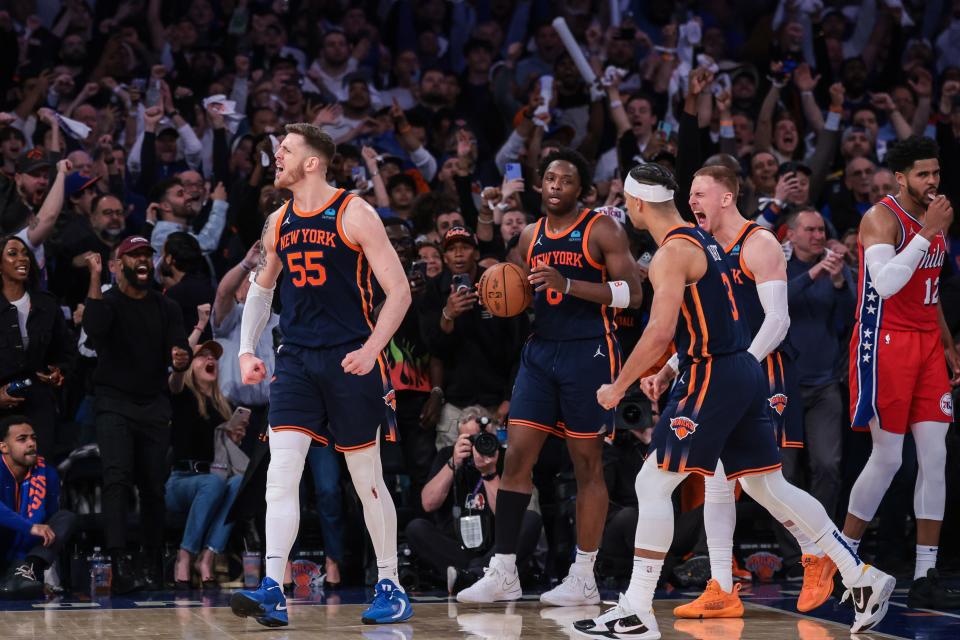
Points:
(136, 153)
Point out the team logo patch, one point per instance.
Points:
(391, 399)
(946, 404)
(575, 235)
(764, 565)
(682, 426)
(778, 402)
(330, 213)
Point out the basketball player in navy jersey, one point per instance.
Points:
(331, 385)
(758, 273)
(717, 411)
(580, 265)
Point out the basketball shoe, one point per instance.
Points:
(714, 602)
(871, 597)
(817, 582)
(390, 605)
(266, 605)
(579, 588)
(498, 584)
(620, 623)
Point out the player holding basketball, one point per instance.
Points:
(898, 374)
(331, 385)
(758, 273)
(717, 411)
(581, 269)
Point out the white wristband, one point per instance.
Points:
(620, 292)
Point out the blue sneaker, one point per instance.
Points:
(390, 605)
(266, 605)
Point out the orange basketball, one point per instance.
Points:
(504, 290)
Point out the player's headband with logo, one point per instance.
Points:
(647, 192)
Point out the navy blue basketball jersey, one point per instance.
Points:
(710, 323)
(565, 317)
(326, 292)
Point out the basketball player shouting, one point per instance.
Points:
(718, 411)
(759, 277)
(331, 385)
(898, 375)
(581, 269)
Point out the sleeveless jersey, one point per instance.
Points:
(914, 307)
(710, 323)
(565, 317)
(327, 291)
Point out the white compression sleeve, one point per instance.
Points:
(256, 314)
(776, 318)
(889, 270)
(674, 363)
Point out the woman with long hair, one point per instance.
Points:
(35, 344)
(197, 486)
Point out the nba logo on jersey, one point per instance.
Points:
(778, 402)
(391, 399)
(682, 426)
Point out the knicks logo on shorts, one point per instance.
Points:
(946, 404)
(778, 402)
(682, 427)
(391, 399)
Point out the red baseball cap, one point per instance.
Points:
(134, 243)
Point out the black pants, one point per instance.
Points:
(439, 547)
(63, 524)
(132, 450)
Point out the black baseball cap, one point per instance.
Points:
(458, 234)
(30, 161)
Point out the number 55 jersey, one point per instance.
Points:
(898, 373)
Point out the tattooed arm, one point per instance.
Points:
(257, 308)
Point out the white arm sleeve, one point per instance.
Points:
(256, 315)
(890, 271)
(776, 318)
(674, 363)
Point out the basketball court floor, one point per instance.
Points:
(770, 615)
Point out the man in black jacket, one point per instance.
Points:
(137, 333)
(480, 352)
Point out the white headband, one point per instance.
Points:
(647, 192)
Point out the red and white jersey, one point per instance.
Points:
(914, 307)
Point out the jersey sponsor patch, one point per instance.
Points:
(682, 426)
(778, 402)
(946, 404)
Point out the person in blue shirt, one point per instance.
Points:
(33, 528)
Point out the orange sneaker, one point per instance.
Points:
(714, 602)
(817, 582)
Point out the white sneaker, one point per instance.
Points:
(621, 623)
(498, 584)
(871, 597)
(575, 591)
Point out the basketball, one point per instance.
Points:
(504, 290)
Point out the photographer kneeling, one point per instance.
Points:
(461, 497)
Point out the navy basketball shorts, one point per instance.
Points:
(311, 394)
(718, 410)
(784, 402)
(556, 386)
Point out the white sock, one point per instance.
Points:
(807, 546)
(583, 563)
(926, 559)
(843, 555)
(387, 570)
(643, 582)
(507, 561)
(719, 522)
(853, 544)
